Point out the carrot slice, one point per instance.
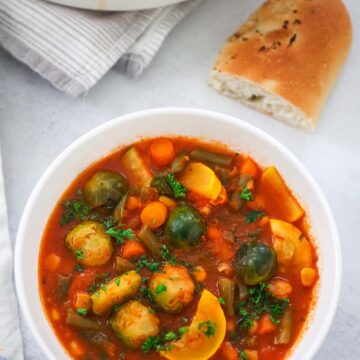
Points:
(266, 326)
(132, 248)
(249, 167)
(162, 152)
(228, 351)
(154, 214)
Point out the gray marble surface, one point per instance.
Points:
(37, 122)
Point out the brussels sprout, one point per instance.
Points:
(133, 323)
(105, 188)
(254, 263)
(172, 288)
(184, 227)
(89, 243)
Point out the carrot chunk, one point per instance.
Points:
(228, 352)
(132, 248)
(133, 203)
(252, 354)
(162, 152)
(154, 214)
(266, 326)
(249, 167)
(199, 274)
(308, 277)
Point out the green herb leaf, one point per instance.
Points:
(153, 266)
(117, 281)
(208, 327)
(178, 189)
(79, 268)
(121, 235)
(221, 300)
(81, 311)
(103, 287)
(254, 215)
(74, 209)
(167, 256)
(160, 289)
(243, 355)
(170, 336)
(183, 330)
(246, 194)
(79, 254)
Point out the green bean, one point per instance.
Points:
(122, 265)
(179, 163)
(243, 292)
(210, 157)
(227, 292)
(119, 209)
(81, 322)
(63, 283)
(150, 240)
(284, 330)
(161, 185)
(235, 201)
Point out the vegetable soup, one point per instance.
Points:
(173, 248)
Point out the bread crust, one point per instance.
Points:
(292, 48)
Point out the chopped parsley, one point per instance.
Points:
(121, 235)
(246, 194)
(178, 189)
(254, 215)
(103, 287)
(243, 355)
(160, 289)
(221, 300)
(260, 302)
(117, 281)
(167, 256)
(153, 343)
(183, 330)
(170, 336)
(81, 311)
(207, 327)
(79, 268)
(145, 292)
(79, 254)
(143, 262)
(74, 209)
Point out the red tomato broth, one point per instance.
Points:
(302, 299)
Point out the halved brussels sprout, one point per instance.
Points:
(105, 188)
(184, 227)
(133, 323)
(172, 288)
(255, 263)
(89, 243)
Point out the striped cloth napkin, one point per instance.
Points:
(10, 336)
(74, 48)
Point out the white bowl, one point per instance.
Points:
(177, 121)
(116, 5)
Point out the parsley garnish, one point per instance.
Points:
(243, 355)
(246, 194)
(160, 289)
(221, 300)
(167, 256)
(152, 343)
(81, 311)
(146, 293)
(254, 215)
(178, 189)
(210, 328)
(151, 265)
(117, 281)
(170, 336)
(103, 287)
(183, 330)
(120, 234)
(259, 302)
(74, 209)
(79, 254)
(79, 268)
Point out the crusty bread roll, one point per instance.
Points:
(285, 58)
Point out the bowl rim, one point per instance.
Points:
(90, 135)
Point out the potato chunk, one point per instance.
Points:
(89, 243)
(115, 291)
(201, 180)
